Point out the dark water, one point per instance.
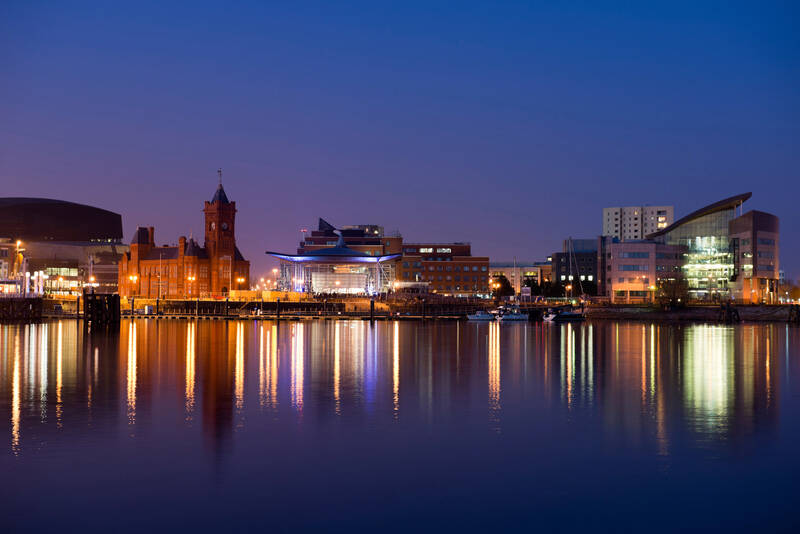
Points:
(224, 426)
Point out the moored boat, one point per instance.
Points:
(512, 313)
(563, 316)
(481, 315)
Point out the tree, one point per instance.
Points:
(536, 289)
(501, 287)
(672, 292)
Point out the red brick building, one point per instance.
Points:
(187, 270)
(447, 268)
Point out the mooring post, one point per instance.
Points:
(278, 309)
(133, 306)
(197, 307)
(372, 309)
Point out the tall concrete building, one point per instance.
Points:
(635, 222)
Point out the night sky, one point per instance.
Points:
(509, 125)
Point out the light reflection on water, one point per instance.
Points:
(637, 390)
(721, 375)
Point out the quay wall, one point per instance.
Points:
(690, 313)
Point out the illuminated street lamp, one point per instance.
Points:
(133, 279)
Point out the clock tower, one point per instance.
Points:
(220, 241)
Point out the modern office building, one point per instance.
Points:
(576, 263)
(635, 222)
(520, 273)
(755, 237)
(729, 255)
(630, 271)
(60, 247)
(448, 268)
(187, 270)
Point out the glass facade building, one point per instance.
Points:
(709, 264)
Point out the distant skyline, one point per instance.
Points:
(504, 124)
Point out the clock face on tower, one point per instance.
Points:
(224, 226)
(213, 226)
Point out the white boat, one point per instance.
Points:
(563, 316)
(511, 314)
(481, 315)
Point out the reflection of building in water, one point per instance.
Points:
(297, 366)
(216, 382)
(568, 362)
(268, 366)
(50, 373)
(191, 357)
(709, 380)
(651, 386)
(238, 371)
(337, 369)
(396, 369)
(728, 375)
(15, 397)
(132, 372)
(493, 346)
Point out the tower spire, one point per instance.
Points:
(219, 173)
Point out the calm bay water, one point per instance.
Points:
(341, 425)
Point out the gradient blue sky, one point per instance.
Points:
(507, 124)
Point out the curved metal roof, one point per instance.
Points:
(721, 205)
(46, 219)
(334, 255)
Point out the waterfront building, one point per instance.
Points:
(59, 247)
(367, 238)
(8, 282)
(447, 268)
(635, 222)
(727, 256)
(188, 270)
(576, 263)
(521, 273)
(337, 269)
(630, 271)
(443, 268)
(754, 237)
